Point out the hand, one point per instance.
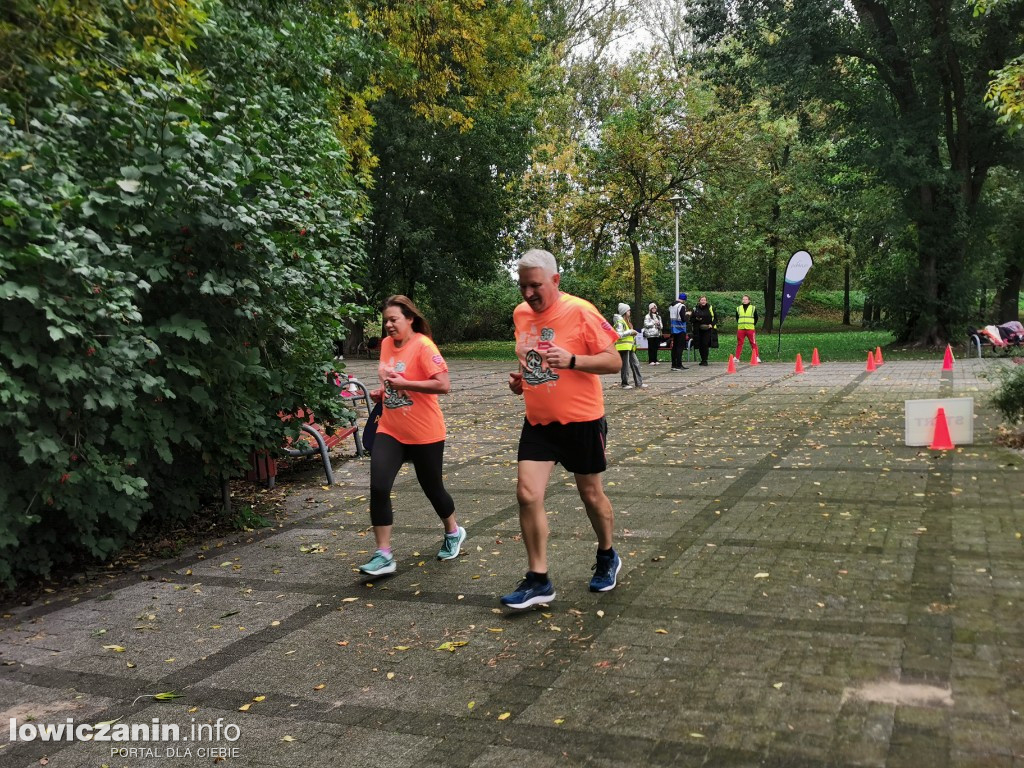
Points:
(515, 383)
(376, 395)
(556, 357)
(396, 380)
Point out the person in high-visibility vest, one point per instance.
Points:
(746, 319)
(626, 347)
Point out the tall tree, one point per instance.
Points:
(908, 80)
(451, 138)
(658, 137)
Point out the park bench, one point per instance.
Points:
(979, 342)
(315, 438)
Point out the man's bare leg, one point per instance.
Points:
(533, 519)
(599, 508)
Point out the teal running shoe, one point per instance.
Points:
(452, 544)
(379, 564)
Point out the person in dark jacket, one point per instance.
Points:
(703, 323)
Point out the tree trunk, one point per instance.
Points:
(876, 314)
(1007, 304)
(770, 288)
(634, 248)
(865, 315)
(846, 294)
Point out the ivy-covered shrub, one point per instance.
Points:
(1009, 398)
(176, 245)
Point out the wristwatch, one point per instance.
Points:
(572, 361)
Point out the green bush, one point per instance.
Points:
(1009, 398)
(172, 266)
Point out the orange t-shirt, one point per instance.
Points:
(413, 418)
(564, 395)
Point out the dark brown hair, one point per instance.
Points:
(411, 312)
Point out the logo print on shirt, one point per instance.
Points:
(392, 397)
(535, 373)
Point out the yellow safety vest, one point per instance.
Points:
(627, 343)
(746, 317)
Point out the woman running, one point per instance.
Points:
(412, 374)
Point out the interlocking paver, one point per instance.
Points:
(790, 571)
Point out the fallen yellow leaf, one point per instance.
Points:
(245, 707)
(504, 715)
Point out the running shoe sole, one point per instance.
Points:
(389, 568)
(537, 600)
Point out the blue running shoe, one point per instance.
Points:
(605, 571)
(529, 592)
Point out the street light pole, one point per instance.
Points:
(676, 201)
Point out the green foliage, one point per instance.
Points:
(172, 267)
(902, 86)
(474, 310)
(1009, 398)
(452, 135)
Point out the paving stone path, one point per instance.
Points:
(798, 589)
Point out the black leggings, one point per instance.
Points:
(385, 461)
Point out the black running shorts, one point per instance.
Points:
(577, 446)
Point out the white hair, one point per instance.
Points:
(535, 258)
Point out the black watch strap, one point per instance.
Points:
(572, 361)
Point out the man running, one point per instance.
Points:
(563, 344)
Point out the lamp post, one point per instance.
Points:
(676, 201)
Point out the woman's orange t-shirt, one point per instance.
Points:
(413, 418)
(564, 395)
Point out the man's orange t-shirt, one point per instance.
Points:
(413, 418)
(564, 395)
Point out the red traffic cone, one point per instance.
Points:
(814, 358)
(871, 362)
(799, 364)
(947, 361)
(941, 440)
(754, 359)
(732, 365)
(878, 356)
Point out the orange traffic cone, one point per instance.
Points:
(799, 364)
(878, 356)
(871, 362)
(754, 359)
(941, 440)
(947, 361)
(732, 365)
(814, 358)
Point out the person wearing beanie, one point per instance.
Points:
(626, 347)
(652, 332)
(677, 315)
